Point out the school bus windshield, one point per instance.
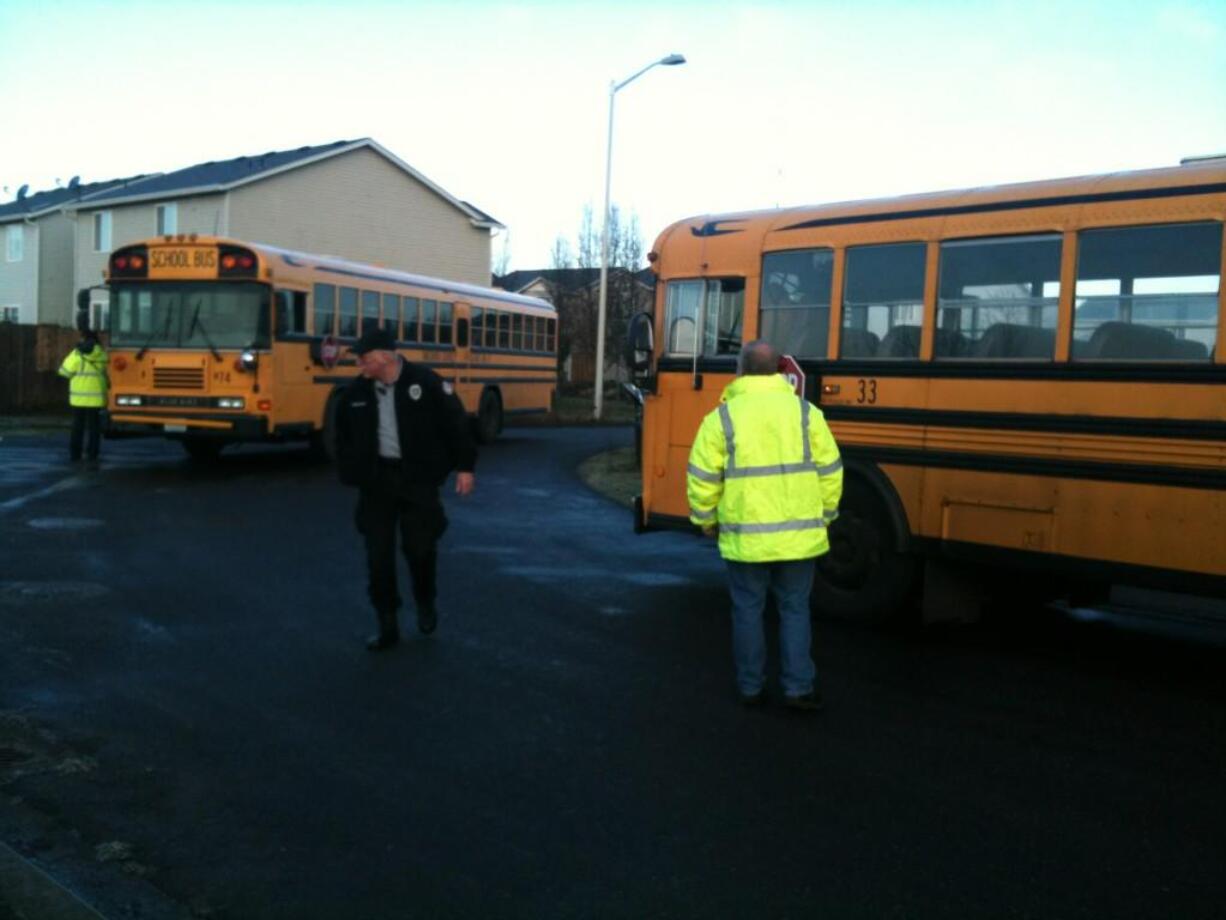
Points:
(190, 315)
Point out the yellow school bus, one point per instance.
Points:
(1029, 374)
(217, 341)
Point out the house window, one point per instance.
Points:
(100, 315)
(102, 231)
(14, 243)
(168, 219)
(9, 314)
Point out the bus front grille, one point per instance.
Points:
(178, 378)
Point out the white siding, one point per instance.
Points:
(360, 206)
(56, 296)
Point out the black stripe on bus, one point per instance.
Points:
(1017, 205)
(468, 378)
(1037, 466)
(1113, 371)
(1189, 429)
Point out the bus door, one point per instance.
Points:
(469, 393)
(289, 382)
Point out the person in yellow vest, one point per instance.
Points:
(85, 368)
(765, 474)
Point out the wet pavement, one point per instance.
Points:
(190, 726)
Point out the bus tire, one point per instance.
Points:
(489, 416)
(865, 577)
(203, 450)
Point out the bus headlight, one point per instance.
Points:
(230, 402)
(127, 400)
(248, 360)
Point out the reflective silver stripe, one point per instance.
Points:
(779, 469)
(703, 474)
(702, 515)
(804, 429)
(830, 468)
(807, 524)
(830, 516)
(725, 419)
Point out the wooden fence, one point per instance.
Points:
(29, 359)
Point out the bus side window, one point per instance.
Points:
(444, 322)
(1148, 293)
(410, 319)
(429, 320)
(883, 290)
(325, 309)
(478, 327)
(370, 310)
(795, 301)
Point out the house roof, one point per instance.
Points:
(567, 279)
(220, 176)
(44, 202)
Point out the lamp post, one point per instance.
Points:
(671, 61)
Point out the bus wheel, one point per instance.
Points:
(863, 577)
(489, 416)
(202, 450)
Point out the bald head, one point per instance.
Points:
(758, 358)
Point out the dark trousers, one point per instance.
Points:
(85, 427)
(389, 504)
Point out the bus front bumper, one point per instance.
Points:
(135, 424)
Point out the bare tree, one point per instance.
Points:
(502, 259)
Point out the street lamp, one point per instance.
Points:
(671, 61)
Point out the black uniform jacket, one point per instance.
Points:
(434, 433)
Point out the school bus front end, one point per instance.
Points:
(190, 344)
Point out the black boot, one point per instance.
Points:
(427, 617)
(388, 634)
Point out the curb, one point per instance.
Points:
(29, 893)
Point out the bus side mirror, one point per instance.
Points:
(640, 345)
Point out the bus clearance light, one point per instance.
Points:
(125, 262)
(231, 262)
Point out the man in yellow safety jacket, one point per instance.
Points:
(85, 368)
(765, 473)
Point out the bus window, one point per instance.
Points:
(504, 330)
(410, 319)
(391, 314)
(531, 334)
(429, 319)
(517, 331)
(725, 311)
(491, 329)
(1148, 293)
(998, 298)
(325, 309)
(883, 301)
(370, 310)
(795, 302)
(681, 307)
(444, 322)
(478, 326)
(349, 313)
(291, 312)
(553, 328)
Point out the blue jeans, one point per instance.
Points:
(791, 583)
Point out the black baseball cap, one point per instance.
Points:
(374, 339)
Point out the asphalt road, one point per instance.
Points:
(190, 725)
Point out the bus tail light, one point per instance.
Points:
(264, 405)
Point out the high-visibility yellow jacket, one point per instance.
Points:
(766, 469)
(87, 378)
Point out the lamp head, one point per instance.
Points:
(673, 59)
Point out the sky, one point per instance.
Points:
(506, 104)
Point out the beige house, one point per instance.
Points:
(37, 254)
(352, 199)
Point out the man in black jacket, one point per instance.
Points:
(400, 431)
